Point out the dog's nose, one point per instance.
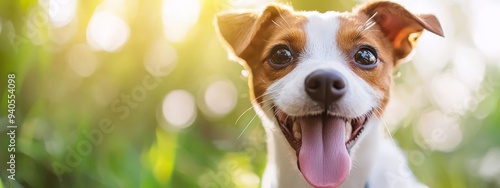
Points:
(325, 86)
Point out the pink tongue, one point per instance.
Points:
(323, 156)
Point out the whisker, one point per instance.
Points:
(388, 131)
(368, 23)
(370, 19)
(289, 27)
(249, 108)
(243, 114)
(372, 30)
(371, 24)
(246, 126)
(277, 24)
(386, 127)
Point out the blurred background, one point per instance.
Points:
(129, 93)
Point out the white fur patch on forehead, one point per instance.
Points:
(321, 36)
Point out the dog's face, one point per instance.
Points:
(322, 76)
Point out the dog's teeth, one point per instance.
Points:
(297, 135)
(348, 130)
(296, 131)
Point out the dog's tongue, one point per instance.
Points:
(323, 156)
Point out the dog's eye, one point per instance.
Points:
(366, 58)
(280, 56)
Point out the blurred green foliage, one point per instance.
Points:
(57, 109)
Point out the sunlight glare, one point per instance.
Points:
(107, 32)
(469, 66)
(61, 12)
(178, 17)
(250, 4)
(485, 34)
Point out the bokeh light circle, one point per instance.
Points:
(220, 97)
(160, 59)
(178, 17)
(107, 32)
(61, 12)
(439, 131)
(179, 109)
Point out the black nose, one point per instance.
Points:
(325, 86)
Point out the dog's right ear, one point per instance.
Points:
(237, 29)
(401, 27)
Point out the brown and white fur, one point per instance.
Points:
(313, 75)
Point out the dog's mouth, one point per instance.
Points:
(322, 143)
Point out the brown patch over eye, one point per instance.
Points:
(367, 52)
(274, 52)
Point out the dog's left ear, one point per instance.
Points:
(400, 27)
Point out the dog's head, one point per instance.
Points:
(321, 76)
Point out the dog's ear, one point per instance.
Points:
(400, 27)
(238, 28)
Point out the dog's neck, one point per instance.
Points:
(282, 172)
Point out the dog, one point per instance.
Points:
(320, 83)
